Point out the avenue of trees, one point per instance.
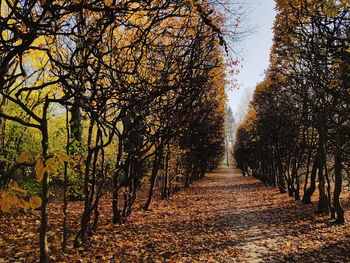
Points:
(296, 135)
(104, 96)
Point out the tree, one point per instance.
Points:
(125, 84)
(303, 91)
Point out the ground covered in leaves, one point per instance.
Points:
(223, 218)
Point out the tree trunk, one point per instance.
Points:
(44, 251)
(297, 189)
(307, 171)
(85, 219)
(331, 208)
(116, 213)
(76, 128)
(65, 205)
(294, 175)
(310, 191)
(155, 168)
(3, 103)
(166, 176)
(65, 197)
(322, 206)
(281, 180)
(338, 180)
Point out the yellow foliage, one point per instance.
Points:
(40, 173)
(51, 169)
(23, 157)
(135, 5)
(5, 206)
(35, 202)
(62, 157)
(23, 204)
(7, 200)
(51, 162)
(151, 150)
(39, 163)
(23, 27)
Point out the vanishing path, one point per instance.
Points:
(247, 222)
(258, 224)
(226, 217)
(223, 218)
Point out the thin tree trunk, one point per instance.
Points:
(2, 125)
(65, 189)
(297, 190)
(155, 168)
(44, 251)
(331, 208)
(338, 180)
(166, 176)
(76, 125)
(85, 219)
(310, 191)
(281, 180)
(322, 206)
(307, 171)
(115, 208)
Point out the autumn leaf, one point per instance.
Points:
(35, 202)
(190, 3)
(12, 199)
(23, 204)
(122, 189)
(40, 173)
(51, 169)
(51, 161)
(23, 27)
(39, 163)
(8, 200)
(63, 157)
(4, 205)
(23, 157)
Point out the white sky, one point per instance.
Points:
(256, 51)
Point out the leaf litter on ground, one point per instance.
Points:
(225, 217)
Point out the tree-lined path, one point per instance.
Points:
(230, 218)
(113, 113)
(225, 217)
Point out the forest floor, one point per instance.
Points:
(223, 218)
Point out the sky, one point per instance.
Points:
(255, 54)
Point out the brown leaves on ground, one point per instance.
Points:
(224, 218)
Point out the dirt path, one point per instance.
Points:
(266, 226)
(230, 218)
(239, 205)
(256, 239)
(223, 218)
